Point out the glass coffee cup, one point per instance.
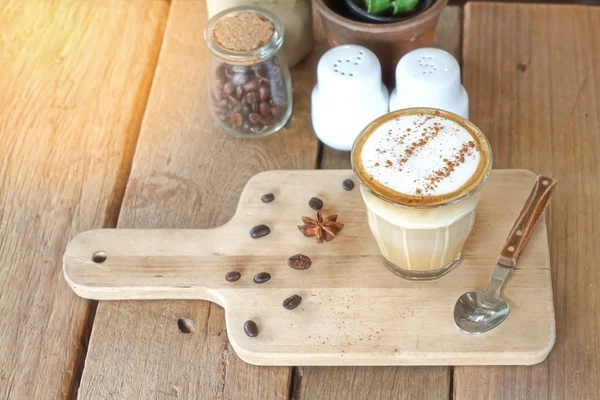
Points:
(420, 171)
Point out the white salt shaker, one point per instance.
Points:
(429, 77)
(348, 95)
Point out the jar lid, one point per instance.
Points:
(244, 35)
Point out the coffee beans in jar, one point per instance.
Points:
(250, 84)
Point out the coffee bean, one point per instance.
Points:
(251, 97)
(259, 231)
(315, 203)
(232, 276)
(236, 120)
(228, 88)
(244, 90)
(252, 85)
(255, 119)
(239, 92)
(267, 198)
(348, 184)
(263, 92)
(250, 328)
(264, 109)
(299, 261)
(261, 277)
(292, 302)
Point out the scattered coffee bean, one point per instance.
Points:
(261, 277)
(348, 184)
(315, 203)
(292, 302)
(259, 231)
(299, 261)
(250, 328)
(232, 276)
(267, 198)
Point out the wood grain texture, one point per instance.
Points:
(531, 73)
(448, 37)
(414, 383)
(366, 383)
(186, 174)
(75, 78)
(363, 310)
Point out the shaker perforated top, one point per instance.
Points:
(349, 65)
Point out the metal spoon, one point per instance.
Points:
(480, 311)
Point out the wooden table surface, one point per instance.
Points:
(103, 122)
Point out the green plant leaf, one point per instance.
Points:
(404, 6)
(378, 6)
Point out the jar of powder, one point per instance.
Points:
(249, 81)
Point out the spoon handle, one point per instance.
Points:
(530, 214)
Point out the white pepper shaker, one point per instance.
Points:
(348, 95)
(429, 77)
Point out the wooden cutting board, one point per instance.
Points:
(354, 311)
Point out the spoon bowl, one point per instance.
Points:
(473, 314)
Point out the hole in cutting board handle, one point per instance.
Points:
(186, 325)
(99, 257)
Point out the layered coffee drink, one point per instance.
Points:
(420, 170)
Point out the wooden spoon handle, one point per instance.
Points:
(530, 214)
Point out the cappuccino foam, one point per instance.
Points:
(421, 157)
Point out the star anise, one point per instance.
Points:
(323, 229)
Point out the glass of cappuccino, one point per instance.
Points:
(420, 170)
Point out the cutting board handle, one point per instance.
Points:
(149, 263)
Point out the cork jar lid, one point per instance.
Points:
(244, 35)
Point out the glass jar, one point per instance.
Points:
(296, 16)
(250, 92)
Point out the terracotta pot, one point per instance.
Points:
(388, 41)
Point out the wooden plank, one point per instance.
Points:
(75, 79)
(363, 310)
(531, 72)
(397, 383)
(413, 382)
(186, 174)
(447, 37)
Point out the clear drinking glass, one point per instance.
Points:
(421, 242)
(250, 92)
